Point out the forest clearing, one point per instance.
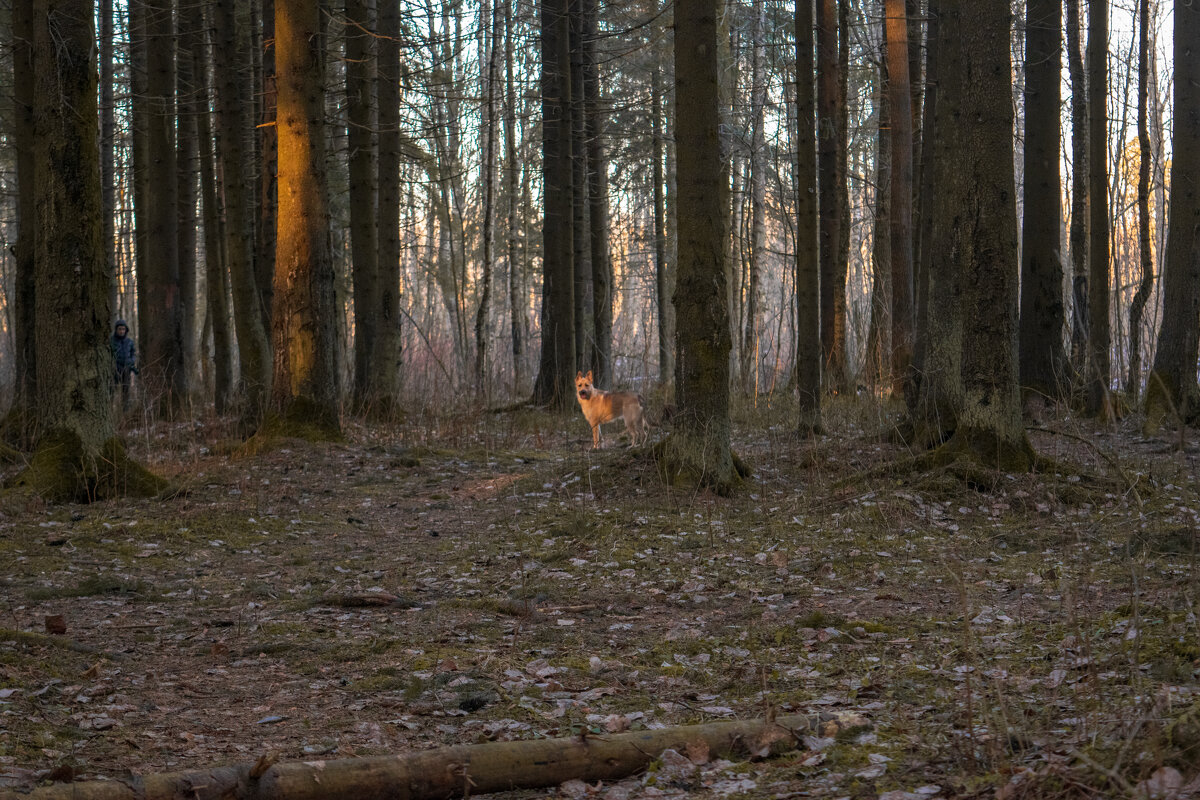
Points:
(462, 579)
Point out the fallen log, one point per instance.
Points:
(457, 771)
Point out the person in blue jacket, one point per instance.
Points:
(124, 353)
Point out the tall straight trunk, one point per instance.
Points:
(187, 157)
(841, 308)
(1098, 401)
(304, 315)
(698, 449)
(385, 362)
(108, 126)
(758, 196)
(77, 458)
(512, 171)
(901, 188)
(24, 141)
(585, 322)
(1137, 308)
(1043, 312)
(989, 429)
(159, 311)
(267, 145)
(808, 264)
(233, 42)
(877, 367)
(215, 270)
(833, 320)
(663, 274)
(489, 16)
(597, 182)
(363, 173)
(1078, 234)
(1172, 388)
(925, 205)
(139, 135)
(555, 383)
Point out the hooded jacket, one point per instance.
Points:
(123, 349)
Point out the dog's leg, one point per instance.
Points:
(596, 437)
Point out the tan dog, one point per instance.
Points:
(600, 406)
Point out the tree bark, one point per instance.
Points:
(460, 770)
(1043, 316)
(1098, 400)
(697, 452)
(230, 31)
(187, 157)
(1078, 235)
(597, 162)
(1172, 388)
(925, 212)
(386, 360)
(1137, 308)
(581, 237)
(555, 383)
(268, 171)
(361, 124)
(833, 320)
(758, 197)
(877, 366)
(900, 222)
(808, 264)
(304, 316)
(512, 171)
(664, 275)
(490, 22)
(17, 425)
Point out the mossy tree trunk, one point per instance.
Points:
(697, 452)
(230, 30)
(303, 316)
(77, 457)
(808, 275)
(554, 385)
(988, 427)
(1172, 389)
(1043, 312)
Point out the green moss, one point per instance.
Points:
(94, 586)
(60, 471)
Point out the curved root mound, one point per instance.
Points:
(61, 471)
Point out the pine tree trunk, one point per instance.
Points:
(595, 131)
(555, 383)
(23, 300)
(490, 16)
(1043, 317)
(901, 188)
(697, 452)
(304, 315)
(159, 311)
(1078, 235)
(1172, 389)
(758, 197)
(108, 126)
(267, 145)
(364, 242)
(829, 174)
(187, 155)
(233, 42)
(385, 362)
(512, 171)
(1137, 308)
(77, 458)
(1098, 401)
(877, 366)
(585, 323)
(808, 266)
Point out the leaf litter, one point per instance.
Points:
(397, 593)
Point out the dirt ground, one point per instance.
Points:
(484, 577)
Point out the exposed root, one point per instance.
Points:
(60, 471)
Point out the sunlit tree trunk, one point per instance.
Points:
(698, 449)
(1043, 313)
(1133, 384)
(1172, 389)
(877, 367)
(304, 318)
(364, 241)
(1099, 371)
(233, 42)
(555, 384)
(808, 276)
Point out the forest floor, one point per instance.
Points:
(478, 577)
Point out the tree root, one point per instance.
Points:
(61, 472)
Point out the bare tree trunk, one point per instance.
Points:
(808, 266)
(1078, 236)
(489, 16)
(385, 362)
(512, 172)
(17, 425)
(233, 42)
(901, 187)
(597, 182)
(697, 452)
(925, 205)
(1098, 401)
(877, 366)
(663, 272)
(268, 171)
(187, 156)
(108, 125)
(585, 323)
(1172, 387)
(555, 384)
(363, 167)
(1137, 308)
(833, 319)
(758, 196)
(1043, 316)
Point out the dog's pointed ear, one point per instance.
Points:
(578, 375)
(589, 375)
